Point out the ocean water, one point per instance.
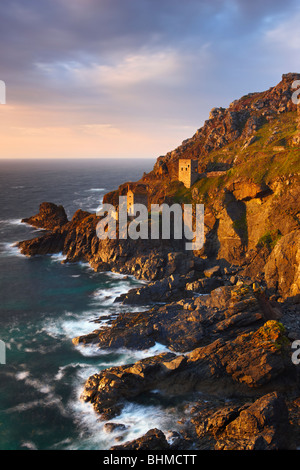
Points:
(44, 304)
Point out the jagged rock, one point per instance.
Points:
(261, 425)
(49, 217)
(251, 361)
(226, 312)
(244, 190)
(112, 427)
(167, 289)
(152, 440)
(282, 270)
(225, 334)
(214, 271)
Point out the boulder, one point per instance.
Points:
(152, 440)
(260, 425)
(264, 425)
(112, 427)
(185, 325)
(49, 217)
(252, 361)
(282, 270)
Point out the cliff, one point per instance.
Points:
(228, 313)
(249, 172)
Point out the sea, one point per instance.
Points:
(44, 304)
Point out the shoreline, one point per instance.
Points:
(219, 337)
(228, 312)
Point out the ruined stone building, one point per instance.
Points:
(137, 194)
(188, 172)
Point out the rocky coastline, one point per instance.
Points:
(228, 314)
(230, 344)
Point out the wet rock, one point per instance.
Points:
(112, 427)
(167, 289)
(252, 361)
(152, 440)
(225, 312)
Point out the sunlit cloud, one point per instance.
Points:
(285, 37)
(108, 77)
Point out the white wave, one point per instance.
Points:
(85, 265)
(63, 370)
(11, 249)
(11, 222)
(24, 406)
(123, 356)
(70, 327)
(42, 386)
(114, 275)
(122, 276)
(29, 445)
(22, 375)
(59, 257)
(138, 419)
(94, 190)
(108, 296)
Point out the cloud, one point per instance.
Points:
(133, 69)
(285, 37)
(96, 68)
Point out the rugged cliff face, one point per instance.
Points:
(229, 312)
(249, 172)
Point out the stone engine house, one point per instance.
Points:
(136, 195)
(188, 172)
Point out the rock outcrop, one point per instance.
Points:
(187, 324)
(262, 425)
(50, 217)
(251, 361)
(282, 269)
(152, 440)
(226, 313)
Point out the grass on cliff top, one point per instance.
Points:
(260, 162)
(272, 154)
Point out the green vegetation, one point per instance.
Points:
(270, 156)
(262, 160)
(272, 333)
(269, 239)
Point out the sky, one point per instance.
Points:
(133, 78)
